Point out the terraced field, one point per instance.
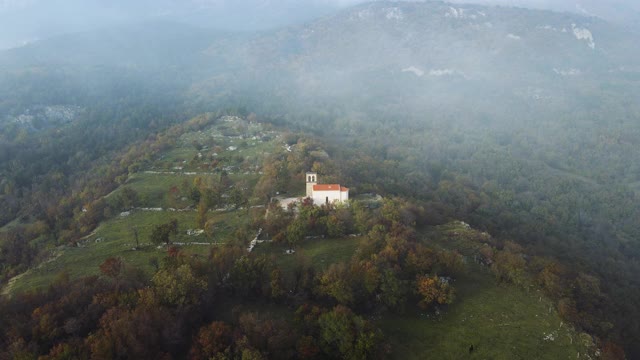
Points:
(239, 154)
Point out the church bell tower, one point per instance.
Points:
(312, 179)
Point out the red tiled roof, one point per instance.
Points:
(329, 187)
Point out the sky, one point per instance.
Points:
(24, 21)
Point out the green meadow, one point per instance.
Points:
(115, 236)
(500, 322)
(320, 252)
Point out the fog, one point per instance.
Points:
(25, 21)
(29, 20)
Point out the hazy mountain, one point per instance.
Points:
(416, 54)
(26, 21)
(622, 11)
(424, 55)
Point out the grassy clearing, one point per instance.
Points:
(153, 189)
(321, 252)
(501, 322)
(180, 156)
(232, 144)
(115, 238)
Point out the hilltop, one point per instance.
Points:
(211, 181)
(522, 123)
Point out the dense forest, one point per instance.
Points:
(541, 153)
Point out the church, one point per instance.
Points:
(325, 193)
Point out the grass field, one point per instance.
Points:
(178, 165)
(321, 252)
(501, 322)
(153, 189)
(115, 238)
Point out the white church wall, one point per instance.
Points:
(320, 197)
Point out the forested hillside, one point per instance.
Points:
(173, 251)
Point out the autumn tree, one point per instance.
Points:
(612, 351)
(136, 235)
(223, 259)
(450, 263)
(210, 230)
(248, 275)
(303, 275)
(173, 196)
(433, 290)
(336, 283)
(74, 349)
(112, 267)
(179, 287)
(268, 335)
(92, 217)
(362, 217)
(162, 233)
(212, 195)
(392, 290)
(277, 284)
(237, 197)
(420, 260)
(133, 334)
(276, 222)
(15, 251)
(307, 347)
(201, 218)
(346, 335)
(553, 279)
(126, 199)
(509, 267)
(296, 231)
(211, 340)
(335, 226)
